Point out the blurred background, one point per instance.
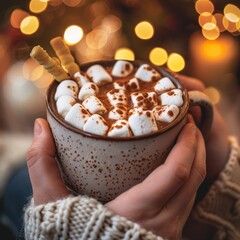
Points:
(198, 38)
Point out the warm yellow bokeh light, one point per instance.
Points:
(38, 6)
(175, 62)
(124, 54)
(29, 25)
(212, 49)
(230, 26)
(210, 31)
(232, 13)
(213, 94)
(206, 17)
(144, 30)
(73, 34)
(158, 56)
(204, 6)
(17, 16)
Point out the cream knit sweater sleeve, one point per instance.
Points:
(79, 218)
(84, 218)
(221, 206)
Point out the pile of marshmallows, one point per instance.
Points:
(148, 107)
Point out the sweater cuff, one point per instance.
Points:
(79, 217)
(221, 205)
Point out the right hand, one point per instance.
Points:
(164, 200)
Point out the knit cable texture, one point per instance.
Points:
(221, 206)
(80, 218)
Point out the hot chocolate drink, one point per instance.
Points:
(122, 100)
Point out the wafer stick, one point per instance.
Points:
(65, 56)
(51, 65)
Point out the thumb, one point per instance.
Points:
(44, 174)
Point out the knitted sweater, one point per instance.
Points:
(81, 217)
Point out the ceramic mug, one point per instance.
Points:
(104, 167)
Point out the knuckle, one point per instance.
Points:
(182, 173)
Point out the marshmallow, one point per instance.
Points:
(81, 78)
(146, 73)
(99, 75)
(144, 100)
(163, 84)
(142, 122)
(120, 129)
(77, 116)
(118, 112)
(132, 85)
(166, 113)
(96, 124)
(119, 85)
(87, 90)
(122, 68)
(117, 96)
(94, 105)
(172, 97)
(66, 87)
(64, 104)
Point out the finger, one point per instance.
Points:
(198, 172)
(191, 83)
(164, 181)
(43, 170)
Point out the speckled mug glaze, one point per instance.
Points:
(104, 167)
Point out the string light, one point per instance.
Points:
(96, 39)
(158, 56)
(38, 6)
(175, 62)
(124, 54)
(144, 30)
(32, 70)
(210, 31)
(29, 25)
(73, 34)
(206, 17)
(219, 21)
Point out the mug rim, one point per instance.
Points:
(164, 73)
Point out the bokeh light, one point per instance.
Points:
(230, 26)
(219, 21)
(205, 18)
(73, 34)
(31, 70)
(232, 13)
(210, 31)
(72, 3)
(111, 23)
(144, 30)
(124, 54)
(17, 16)
(158, 56)
(213, 94)
(29, 25)
(96, 39)
(38, 6)
(204, 6)
(175, 62)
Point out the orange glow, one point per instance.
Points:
(230, 26)
(38, 6)
(144, 30)
(96, 39)
(204, 6)
(17, 16)
(158, 56)
(210, 31)
(124, 54)
(212, 49)
(29, 25)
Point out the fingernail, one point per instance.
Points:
(193, 128)
(37, 128)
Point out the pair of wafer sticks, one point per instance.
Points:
(51, 65)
